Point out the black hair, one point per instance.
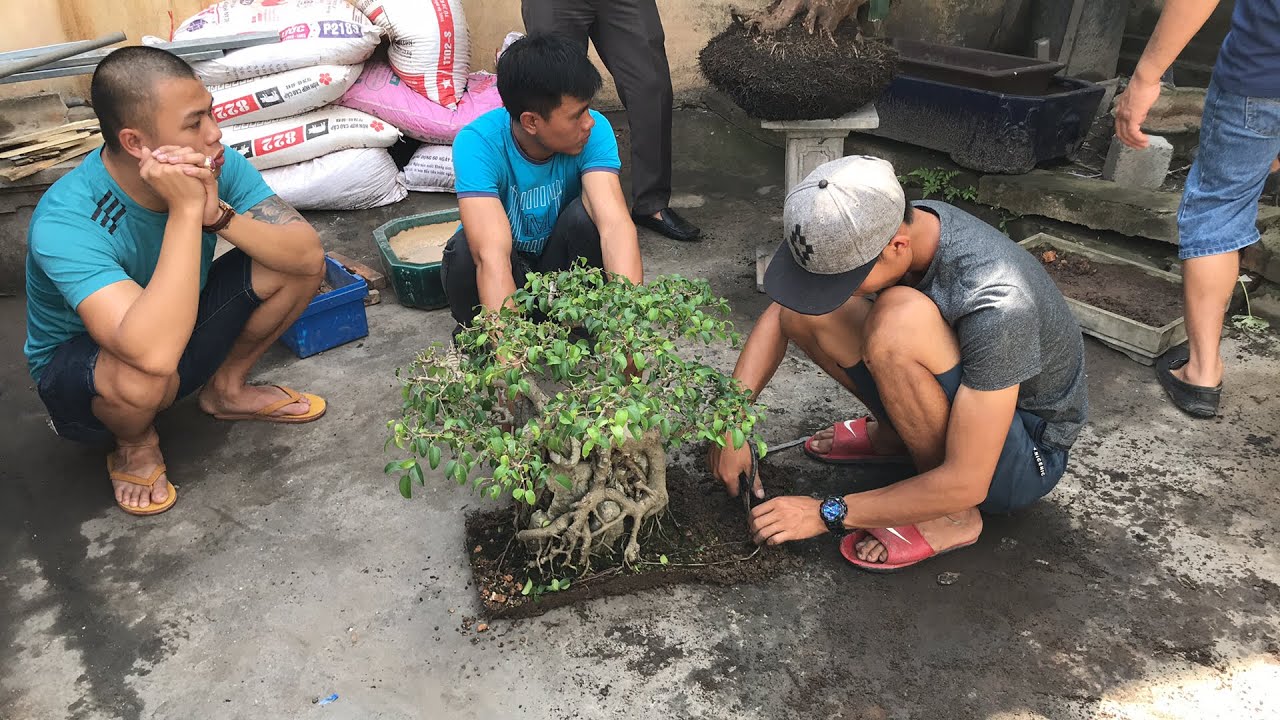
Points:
(536, 72)
(123, 87)
(908, 212)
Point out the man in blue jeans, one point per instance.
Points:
(127, 310)
(1239, 142)
(969, 360)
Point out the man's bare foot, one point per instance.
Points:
(883, 440)
(942, 534)
(140, 460)
(249, 399)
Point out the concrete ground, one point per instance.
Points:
(1144, 586)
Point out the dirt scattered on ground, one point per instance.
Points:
(1122, 290)
(792, 75)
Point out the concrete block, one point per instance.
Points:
(1102, 205)
(1263, 257)
(1144, 168)
(1093, 203)
(1178, 110)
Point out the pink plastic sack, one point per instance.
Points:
(384, 95)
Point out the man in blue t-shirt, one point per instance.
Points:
(127, 310)
(1239, 143)
(537, 181)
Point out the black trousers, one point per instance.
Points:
(628, 35)
(574, 236)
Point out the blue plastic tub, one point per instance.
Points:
(333, 318)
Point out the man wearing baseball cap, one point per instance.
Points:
(953, 336)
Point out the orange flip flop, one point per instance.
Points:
(318, 408)
(152, 509)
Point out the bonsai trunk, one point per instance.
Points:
(825, 15)
(613, 495)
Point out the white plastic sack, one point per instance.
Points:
(430, 169)
(346, 180)
(430, 48)
(312, 32)
(292, 92)
(295, 139)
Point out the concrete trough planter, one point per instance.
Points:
(1141, 342)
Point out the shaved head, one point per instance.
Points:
(124, 86)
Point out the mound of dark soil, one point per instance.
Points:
(1148, 299)
(792, 75)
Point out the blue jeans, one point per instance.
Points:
(1028, 467)
(1239, 137)
(67, 384)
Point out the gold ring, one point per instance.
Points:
(208, 163)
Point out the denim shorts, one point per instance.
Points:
(67, 383)
(1239, 137)
(1028, 467)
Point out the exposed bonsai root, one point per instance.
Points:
(824, 15)
(620, 492)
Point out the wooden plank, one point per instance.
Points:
(17, 173)
(56, 141)
(42, 134)
(375, 279)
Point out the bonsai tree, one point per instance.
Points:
(568, 402)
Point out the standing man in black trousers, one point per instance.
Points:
(628, 35)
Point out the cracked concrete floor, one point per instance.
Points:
(1144, 586)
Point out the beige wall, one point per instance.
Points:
(30, 23)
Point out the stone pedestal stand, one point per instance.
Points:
(811, 143)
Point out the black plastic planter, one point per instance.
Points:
(977, 69)
(988, 131)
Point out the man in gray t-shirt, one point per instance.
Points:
(968, 358)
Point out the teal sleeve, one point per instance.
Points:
(601, 152)
(77, 257)
(240, 184)
(476, 167)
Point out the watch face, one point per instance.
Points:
(831, 510)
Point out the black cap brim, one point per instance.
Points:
(807, 293)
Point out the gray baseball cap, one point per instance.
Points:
(835, 222)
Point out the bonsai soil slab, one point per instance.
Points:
(704, 536)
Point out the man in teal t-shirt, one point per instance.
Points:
(537, 181)
(127, 310)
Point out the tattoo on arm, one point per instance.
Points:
(275, 211)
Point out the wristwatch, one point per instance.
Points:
(223, 220)
(833, 511)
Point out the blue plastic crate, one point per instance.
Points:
(333, 318)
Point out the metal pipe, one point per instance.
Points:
(69, 50)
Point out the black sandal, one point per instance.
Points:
(1195, 400)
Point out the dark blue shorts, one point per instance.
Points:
(1028, 467)
(67, 385)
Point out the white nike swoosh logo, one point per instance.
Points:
(848, 425)
(898, 535)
